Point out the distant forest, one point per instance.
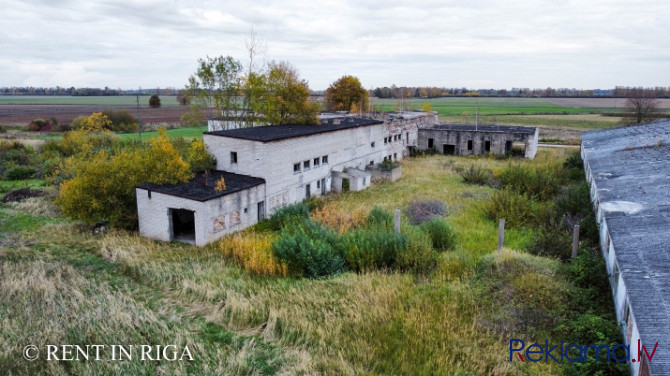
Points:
(437, 92)
(380, 92)
(84, 91)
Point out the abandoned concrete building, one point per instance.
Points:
(479, 139)
(628, 170)
(267, 167)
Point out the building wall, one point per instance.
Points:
(459, 139)
(213, 219)
(274, 161)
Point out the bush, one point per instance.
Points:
(122, 121)
(3, 129)
(288, 215)
(308, 255)
(516, 208)
(378, 217)
(419, 256)
(475, 175)
(420, 211)
(372, 248)
(388, 164)
(552, 240)
(199, 158)
(540, 183)
(441, 234)
(39, 125)
(20, 173)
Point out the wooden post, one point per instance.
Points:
(501, 235)
(397, 221)
(575, 241)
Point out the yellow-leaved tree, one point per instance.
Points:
(102, 185)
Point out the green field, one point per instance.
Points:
(116, 100)
(486, 106)
(187, 133)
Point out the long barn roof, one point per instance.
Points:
(630, 167)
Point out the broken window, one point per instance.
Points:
(318, 184)
(305, 165)
(233, 157)
(469, 144)
(296, 168)
(395, 156)
(317, 161)
(372, 145)
(386, 141)
(324, 159)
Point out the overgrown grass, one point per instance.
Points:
(60, 284)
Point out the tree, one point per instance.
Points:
(154, 101)
(641, 106)
(101, 186)
(284, 97)
(216, 83)
(345, 92)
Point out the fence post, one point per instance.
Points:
(575, 241)
(501, 235)
(397, 221)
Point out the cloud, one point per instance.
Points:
(149, 43)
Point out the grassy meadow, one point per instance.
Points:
(62, 284)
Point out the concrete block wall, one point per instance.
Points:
(460, 139)
(213, 219)
(274, 160)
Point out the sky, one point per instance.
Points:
(478, 44)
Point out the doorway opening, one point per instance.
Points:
(448, 149)
(183, 225)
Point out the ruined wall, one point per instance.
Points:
(460, 142)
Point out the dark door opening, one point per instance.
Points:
(183, 225)
(487, 145)
(508, 146)
(261, 211)
(346, 185)
(323, 187)
(308, 191)
(448, 149)
(430, 143)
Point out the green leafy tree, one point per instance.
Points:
(346, 92)
(154, 101)
(285, 97)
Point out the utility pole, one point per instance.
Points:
(139, 121)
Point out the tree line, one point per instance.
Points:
(437, 92)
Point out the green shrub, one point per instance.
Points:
(20, 173)
(419, 256)
(540, 182)
(475, 175)
(388, 164)
(308, 255)
(516, 208)
(441, 234)
(314, 203)
(378, 217)
(373, 248)
(3, 129)
(552, 240)
(286, 215)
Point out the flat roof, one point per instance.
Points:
(484, 128)
(630, 167)
(194, 189)
(281, 132)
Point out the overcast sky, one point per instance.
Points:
(477, 44)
